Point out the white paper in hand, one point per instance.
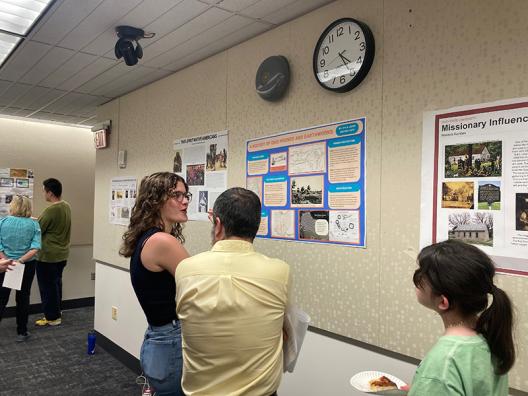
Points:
(295, 324)
(13, 278)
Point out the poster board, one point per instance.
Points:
(14, 181)
(202, 162)
(311, 183)
(475, 180)
(123, 192)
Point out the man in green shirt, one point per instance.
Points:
(55, 225)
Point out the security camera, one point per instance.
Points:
(124, 47)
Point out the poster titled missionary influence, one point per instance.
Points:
(311, 183)
(475, 180)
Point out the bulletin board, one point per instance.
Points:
(311, 183)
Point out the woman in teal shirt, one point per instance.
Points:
(476, 352)
(19, 241)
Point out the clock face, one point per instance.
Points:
(343, 55)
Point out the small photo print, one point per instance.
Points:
(306, 191)
(278, 161)
(457, 195)
(521, 212)
(483, 159)
(203, 201)
(216, 158)
(472, 227)
(119, 194)
(196, 175)
(30, 173)
(14, 172)
(177, 162)
(7, 182)
(113, 195)
(125, 212)
(489, 195)
(126, 193)
(8, 198)
(313, 225)
(22, 183)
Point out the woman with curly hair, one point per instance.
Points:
(153, 242)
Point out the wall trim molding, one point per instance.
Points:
(111, 265)
(119, 353)
(66, 304)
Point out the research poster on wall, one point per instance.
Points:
(311, 183)
(123, 191)
(202, 162)
(475, 180)
(14, 181)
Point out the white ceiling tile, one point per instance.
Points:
(236, 5)
(221, 30)
(31, 95)
(191, 29)
(49, 63)
(266, 7)
(154, 75)
(145, 13)
(23, 59)
(75, 64)
(128, 78)
(23, 113)
(103, 17)
(62, 104)
(294, 10)
(4, 85)
(104, 78)
(88, 73)
(13, 92)
(64, 19)
(43, 100)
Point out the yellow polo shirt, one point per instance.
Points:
(231, 302)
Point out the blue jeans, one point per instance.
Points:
(161, 358)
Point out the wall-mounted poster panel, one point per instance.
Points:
(14, 181)
(202, 162)
(475, 180)
(311, 183)
(123, 192)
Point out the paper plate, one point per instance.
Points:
(360, 381)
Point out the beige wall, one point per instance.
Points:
(66, 153)
(429, 55)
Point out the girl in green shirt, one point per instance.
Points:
(476, 352)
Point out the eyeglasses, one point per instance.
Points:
(179, 196)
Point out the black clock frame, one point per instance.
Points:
(370, 49)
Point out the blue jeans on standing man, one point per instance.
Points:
(49, 277)
(161, 358)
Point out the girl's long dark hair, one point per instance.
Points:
(153, 193)
(464, 275)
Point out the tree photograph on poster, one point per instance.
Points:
(482, 159)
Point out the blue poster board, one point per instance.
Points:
(311, 183)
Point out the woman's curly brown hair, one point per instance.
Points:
(152, 195)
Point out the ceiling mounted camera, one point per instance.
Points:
(124, 47)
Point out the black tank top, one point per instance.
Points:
(155, 291)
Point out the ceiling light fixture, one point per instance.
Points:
(17, 18)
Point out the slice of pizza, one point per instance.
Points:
(382, 383)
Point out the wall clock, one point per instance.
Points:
(273, 78)
(343, 55)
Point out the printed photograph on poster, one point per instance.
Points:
(196, 175)
(255, 184)
(279, 161)
(23, 173)
(7, 182)
(283, 224)
(458, 195)
(482, 159)
(22, 183)
(125, 212)
(177, 164)
(313, 225)
(203, 201)
(344, 226)
(489, 195)
(216, 157)
(307, 158)
(521, 212)
(307, 191)
(472, 227)
(8, 199)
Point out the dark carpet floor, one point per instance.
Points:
(53, 361)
